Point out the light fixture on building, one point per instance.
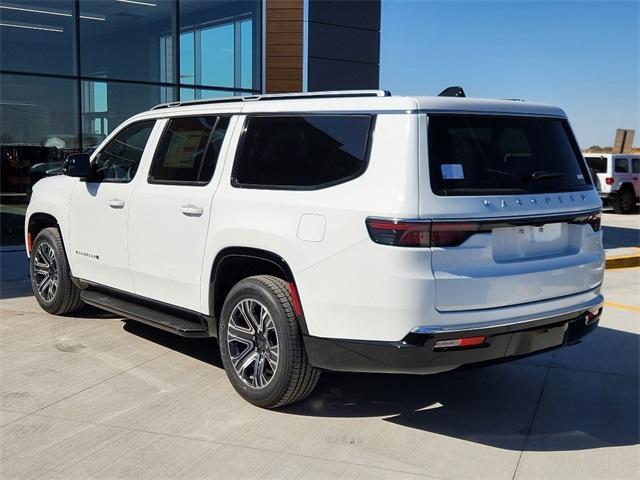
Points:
(32, 27)
(58, 13)
(137, 2)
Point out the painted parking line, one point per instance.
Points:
(622, 306)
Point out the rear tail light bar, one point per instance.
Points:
(400, 233)
(434, 233)
(609, 180)
(595, 220)
(420, 233)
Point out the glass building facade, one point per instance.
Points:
(72, 70)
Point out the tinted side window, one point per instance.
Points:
(118, 161)
(188, 150)
(309, 151)
(599, 164)
(622, 165)
(635, 165)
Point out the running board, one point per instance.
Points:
(170, 322)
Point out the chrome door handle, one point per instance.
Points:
(116, 203)
(191, 210)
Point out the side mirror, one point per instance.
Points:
(77, 165)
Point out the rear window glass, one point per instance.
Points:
(302, 152)
(599, 164)
(635, 165)
(484, 155)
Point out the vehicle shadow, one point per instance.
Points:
(618, 237)
(202, 349)
(574, 407)
(582, 397)
(91, 312)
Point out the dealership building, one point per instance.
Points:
(72, 70)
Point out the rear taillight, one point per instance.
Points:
(609, 180)
(452, 234)
(417, 233)
(400, 233)
(594, 220)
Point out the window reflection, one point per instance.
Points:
(38, 129)
(72, 92)
(126, 45)
(187, 94)
(217, 43)
(105, 105)
(38, 35)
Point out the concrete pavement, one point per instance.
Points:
(93, 396)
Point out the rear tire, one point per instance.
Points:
(625, 203)
(51, 275)
(261, 344)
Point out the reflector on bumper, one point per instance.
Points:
(460, 342)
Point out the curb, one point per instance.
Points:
(623, 261)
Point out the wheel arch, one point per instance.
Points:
(629, 185)
(38, 221)
(232, 264)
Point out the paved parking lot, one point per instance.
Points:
(94, 396)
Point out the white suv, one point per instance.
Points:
(617, 179)
(340, 231)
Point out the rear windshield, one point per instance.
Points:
(485, 155)
(599, 164)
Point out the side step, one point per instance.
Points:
(170, 322)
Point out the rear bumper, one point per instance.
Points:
(416, 354)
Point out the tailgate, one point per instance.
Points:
(516, 261)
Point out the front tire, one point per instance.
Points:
(261, 344)
(51, 276)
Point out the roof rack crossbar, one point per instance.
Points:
(279, 96)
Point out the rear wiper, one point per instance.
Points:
(542, 175)
(501, 172)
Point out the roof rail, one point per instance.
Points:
(279, 96)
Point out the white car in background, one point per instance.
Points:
(337, 231)
(617, 179)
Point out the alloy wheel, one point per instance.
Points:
(253, 343)
(45, 272)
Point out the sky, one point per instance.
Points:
(583, 56)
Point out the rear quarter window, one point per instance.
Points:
(492, 155)
(302, 151)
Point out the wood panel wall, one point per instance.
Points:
(284, 45)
